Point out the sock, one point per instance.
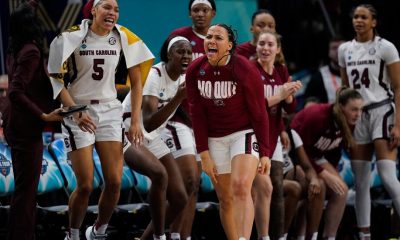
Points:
(281, 238)
(387, 172)
(362, 175)
(100, 229)
(314, 236)
(264, 238)
(301, 237)
(189, 238)
(364, 236)
(242, 238)
(162, 237)
(74, 233)
(331, 238)
(175, 236)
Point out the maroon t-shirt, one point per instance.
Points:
(321, 136)
(247, 50)
(226, 99)
(272, 85)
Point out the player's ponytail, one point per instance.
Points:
(343, 96)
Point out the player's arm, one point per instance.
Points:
(135, 132)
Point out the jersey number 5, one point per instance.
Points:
(98, 70)
(359, 79)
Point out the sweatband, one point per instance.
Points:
(174, 40)
(195, 2)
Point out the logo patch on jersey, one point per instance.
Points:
(263, 78)
(161, 94)
(255, 147)
(45, 164)
(202, 72)
(5, 165)
(169, 143)
(219, 103)
(372, 51)
(66, 142)
(83, 46)
(193, 43)
(112, 40)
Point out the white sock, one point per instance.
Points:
(301, 237)
(314, 236)
(264, 238)
(331, 238)
(100, 230)
(242, 238)
(285, 236)
(162, 237)
(387, 172)
(281, 238)
(364, 236)
(189, 238)
(74, 233)
(362, 175)
(175, 236)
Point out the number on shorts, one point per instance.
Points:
(98, 70)
(364, 79)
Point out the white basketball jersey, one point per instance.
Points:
(366, 67)
(95, 62)
(160, 85)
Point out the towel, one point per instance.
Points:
(135, 52)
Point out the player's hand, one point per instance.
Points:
(84, 122)
(208, 167)
(53, 116)
(394, 137)
(265, 165)
(285, 140)
(135, 134)
(181, 93)
(314, 188)
(334, 182)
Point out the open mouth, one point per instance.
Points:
(109, 20)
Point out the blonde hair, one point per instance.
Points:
(343, 96)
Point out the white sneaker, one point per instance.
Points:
(67, 236)
(90, 235)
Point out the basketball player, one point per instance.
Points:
(85, 58)
(163, 91)
(179, 132)
(325, 130)
(371, 65)
(230, 126)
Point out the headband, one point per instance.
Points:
(95, 2)
(174, 40)
(195, 2)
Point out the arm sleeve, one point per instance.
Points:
(254, 97)
(196, 110)
(27, 65)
